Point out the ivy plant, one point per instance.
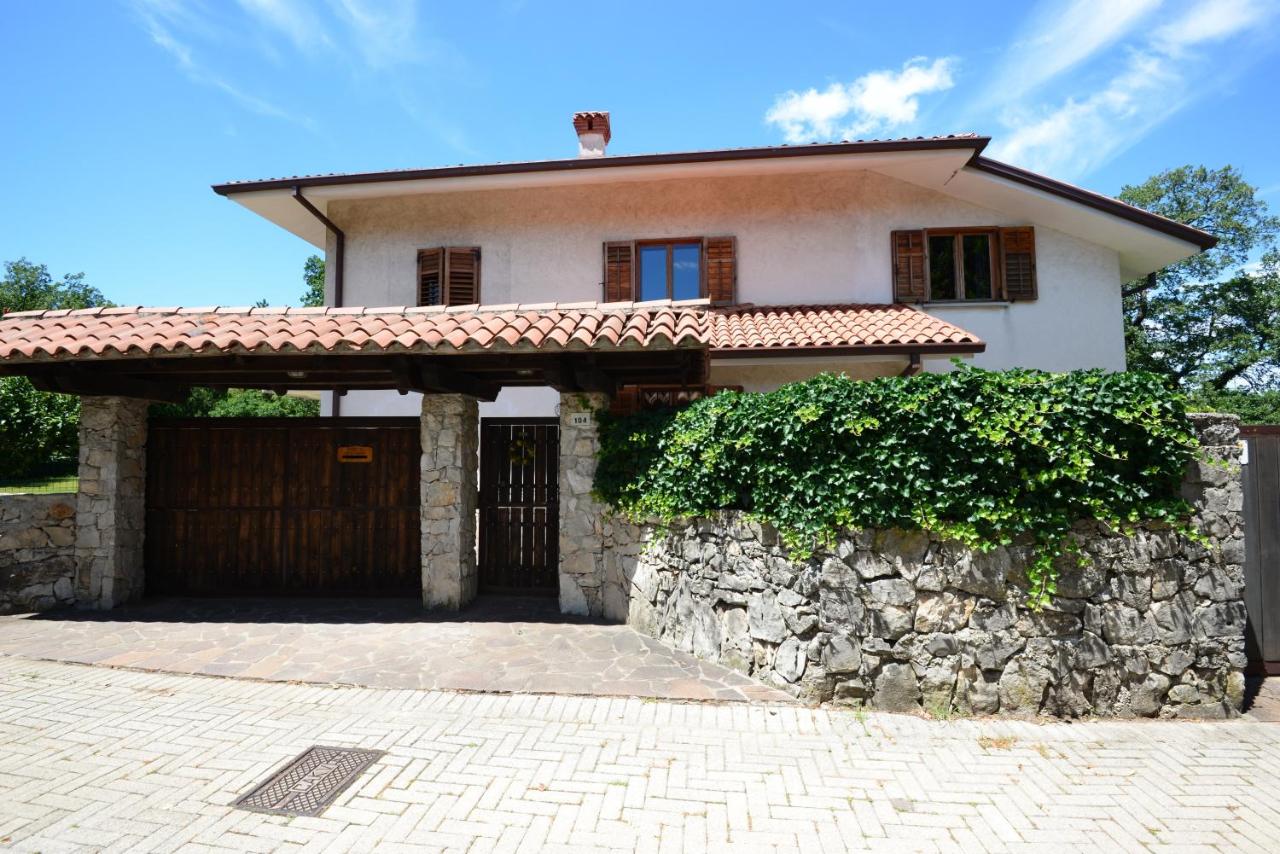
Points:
(982, 457)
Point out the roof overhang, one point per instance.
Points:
(933, 159)
(1144, 241)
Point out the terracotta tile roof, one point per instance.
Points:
(753, 327)
(166, 332)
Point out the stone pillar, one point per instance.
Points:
(110, 507)
(582, 557)
(450, 439)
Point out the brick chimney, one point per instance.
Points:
(593, 133)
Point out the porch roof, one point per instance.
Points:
(138, 332)
(159, 352)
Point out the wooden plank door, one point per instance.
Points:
(258, 507)
(519, 505)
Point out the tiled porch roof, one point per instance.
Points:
(114, 333)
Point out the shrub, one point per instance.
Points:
(237, 403)
(36, 428)
(983, 457)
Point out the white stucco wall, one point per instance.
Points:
(801, 239)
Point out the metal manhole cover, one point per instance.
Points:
(310, 782)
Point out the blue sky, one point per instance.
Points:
(119, 115)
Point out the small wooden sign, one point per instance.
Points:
(355, 454)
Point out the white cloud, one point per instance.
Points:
(161, 17)
(296, 21)
(875, 102)
(1156, 80)
(1211, 20)
(1060, 36)
(384, 33)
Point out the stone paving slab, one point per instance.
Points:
(95, 759)
(498, 645)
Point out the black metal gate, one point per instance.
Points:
(519, 505)
(1262, 546)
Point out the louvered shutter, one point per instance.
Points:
(909, 284)
(619, 272)
(1018, 254)
(462, 274)
(431, 277)
(721, 265)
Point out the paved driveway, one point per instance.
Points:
(97, 759)
(498, 645)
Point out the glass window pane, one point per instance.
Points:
(942, 266)
(977, 266)
(653, 272)
(686, 271)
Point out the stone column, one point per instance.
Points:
(450, 439)
(110, 507)
(582, 564)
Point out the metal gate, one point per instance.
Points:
(519, 505)
(283, 506)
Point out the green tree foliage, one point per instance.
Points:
(237, 403)
(980, 456)
(38, 428)
(35, 428)
(313, 276)
(1211, 321)
(1253, 407)
(29, 287)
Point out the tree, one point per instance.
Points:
(313, 275)
(237, 403)
(29, 287)
(38, 428)
(1210, 322)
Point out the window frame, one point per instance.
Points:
(670, 243)
(957, 234)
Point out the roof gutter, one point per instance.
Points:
(340, 251)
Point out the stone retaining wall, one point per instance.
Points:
(900, 620)
(37, 552)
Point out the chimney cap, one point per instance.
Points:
(592, 121)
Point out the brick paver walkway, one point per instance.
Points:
(96, 758)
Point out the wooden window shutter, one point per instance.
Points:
(462, 274)
(619, 272)
(431, 277)
(909, 281)
(1018, 256)
(720, 262)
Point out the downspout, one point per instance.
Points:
(339, 258)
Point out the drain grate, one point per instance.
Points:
(310, 782)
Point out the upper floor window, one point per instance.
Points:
(961, 265)
(680, 269)
(670, 270)
(964, 264)
(449, 275)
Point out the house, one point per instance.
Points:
(479, 315)
(1030, 266)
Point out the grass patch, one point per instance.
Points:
(48, 484)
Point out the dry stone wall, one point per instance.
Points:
(1152, 625)
(37, 552)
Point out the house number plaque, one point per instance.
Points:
(580, 419)
(355, 454)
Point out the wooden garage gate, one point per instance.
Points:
(290, 506)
